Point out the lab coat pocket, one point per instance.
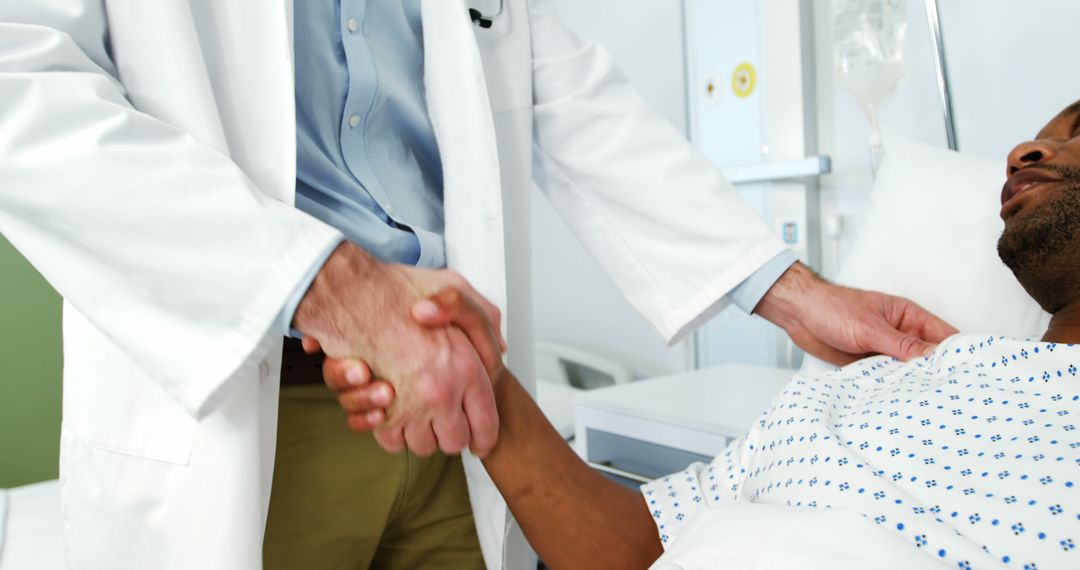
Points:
(146, 430)
(113, 405)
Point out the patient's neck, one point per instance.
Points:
(1065, 325)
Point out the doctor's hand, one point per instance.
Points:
(841, 325)
(365, 401)
(361, 308)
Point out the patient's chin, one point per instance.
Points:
(1042, 248)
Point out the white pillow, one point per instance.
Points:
(930, 234)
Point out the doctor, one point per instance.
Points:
(192, 202)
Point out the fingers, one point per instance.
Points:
(452, 432)
(344, 373)
(365, 406)
(366, 422)
(479, 404)
(888, 340)
(910, 331)
(450, 306)
(910, 347)
(420, 438)
(428, 314)
(926, 324)
(494, 316)
(310, 345)
(823, 350)
(391, 439)
(366, 399)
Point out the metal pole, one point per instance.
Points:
(937, 47)
(810, 131)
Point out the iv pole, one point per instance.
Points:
(937, 47)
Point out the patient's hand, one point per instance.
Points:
(364, 399)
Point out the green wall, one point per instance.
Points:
(30, 364)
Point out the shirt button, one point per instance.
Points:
(354, 120)
(353, 25)
(388, 208)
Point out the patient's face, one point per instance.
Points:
(1041, 210)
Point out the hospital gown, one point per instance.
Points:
(972, 455)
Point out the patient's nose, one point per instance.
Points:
(1026, 154)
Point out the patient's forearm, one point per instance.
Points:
(572, 516)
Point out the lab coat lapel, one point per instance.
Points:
(251, 64)
(461, 117)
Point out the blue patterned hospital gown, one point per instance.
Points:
(972, 454)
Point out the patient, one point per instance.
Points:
(971, 455)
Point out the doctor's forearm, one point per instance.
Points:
(572, 516)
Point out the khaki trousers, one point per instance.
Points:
(341, 502)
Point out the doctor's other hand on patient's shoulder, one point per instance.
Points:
(841, 325)
(360, 307)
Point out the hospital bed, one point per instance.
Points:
(31, 528)
(928, 234)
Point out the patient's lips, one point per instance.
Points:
(1026, 180)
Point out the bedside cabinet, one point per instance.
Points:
(637, 432)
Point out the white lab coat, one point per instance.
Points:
(147, 168)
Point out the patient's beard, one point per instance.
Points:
(1042, 250)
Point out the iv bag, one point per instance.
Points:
(868, 40)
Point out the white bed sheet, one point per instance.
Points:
(3, 519)
(31, 533)
(769, 537)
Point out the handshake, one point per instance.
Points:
(412, 353)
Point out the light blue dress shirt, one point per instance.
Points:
(367, 161)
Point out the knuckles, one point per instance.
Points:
(451, 298)
(467, 368)
(434, 391)
(908, 347)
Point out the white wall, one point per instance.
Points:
(1012, 65)
(575, 302)
(1011, 71)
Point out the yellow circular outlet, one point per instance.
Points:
(743, 80)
